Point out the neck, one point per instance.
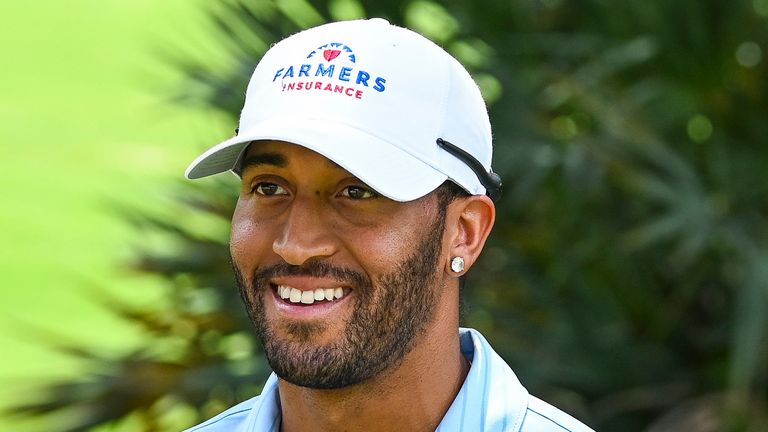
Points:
(414, 395)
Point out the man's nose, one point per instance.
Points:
(305, 234)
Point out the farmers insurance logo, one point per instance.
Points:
(330, 68)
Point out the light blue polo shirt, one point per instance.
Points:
(491, 400)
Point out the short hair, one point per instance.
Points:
(449, 192)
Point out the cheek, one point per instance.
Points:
(406, 237)
(248, 239)
(382, 250)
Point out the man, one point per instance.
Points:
(364, 152)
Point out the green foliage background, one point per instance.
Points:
(627, 277)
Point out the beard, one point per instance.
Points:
(390, 314)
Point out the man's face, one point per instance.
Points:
(308, 230)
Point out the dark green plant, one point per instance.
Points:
(627, 276)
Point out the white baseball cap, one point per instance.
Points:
(375, 99)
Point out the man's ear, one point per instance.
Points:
(469, 222)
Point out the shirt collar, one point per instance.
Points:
(265, 414)
(491, 398)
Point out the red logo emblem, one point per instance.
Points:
(331, 54)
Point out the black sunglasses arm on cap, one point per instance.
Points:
(489, 179)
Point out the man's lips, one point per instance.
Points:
(295, 295)
(306, 290)
(309, 309)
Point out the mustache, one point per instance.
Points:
(317, 269)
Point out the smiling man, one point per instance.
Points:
(367, 192)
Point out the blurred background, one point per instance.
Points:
(626, 280)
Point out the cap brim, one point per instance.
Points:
(383, 166)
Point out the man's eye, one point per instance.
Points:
(358, 192)
(269, 189)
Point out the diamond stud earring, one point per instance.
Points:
(457, 264)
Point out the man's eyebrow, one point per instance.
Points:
(273, 159)
(254, 160)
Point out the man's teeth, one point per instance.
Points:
(295, 295)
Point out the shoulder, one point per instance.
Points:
(228, 420)
(543, 417)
